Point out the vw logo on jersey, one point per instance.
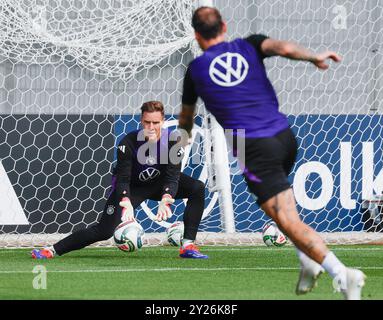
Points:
(228, 69)
(148, 174)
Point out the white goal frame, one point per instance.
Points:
(73, 77)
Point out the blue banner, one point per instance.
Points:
(336, 154)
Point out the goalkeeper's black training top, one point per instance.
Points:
(142, 163)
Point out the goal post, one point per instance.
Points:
(73, 75)
(217, 152)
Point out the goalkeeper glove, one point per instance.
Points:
(164, 212)
(127, 210)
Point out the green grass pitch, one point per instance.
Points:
(157, 273)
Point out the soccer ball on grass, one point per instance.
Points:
(128, 236)
(272, 236)
(175, 233)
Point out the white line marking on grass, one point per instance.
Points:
(211, 249)
(174, 269)
(253, 249)
(157, 270)
(286, 248)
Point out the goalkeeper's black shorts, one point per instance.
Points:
(268, 162)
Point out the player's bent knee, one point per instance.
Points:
(103, 235)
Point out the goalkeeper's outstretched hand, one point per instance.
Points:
(127, 210)
(164, 212)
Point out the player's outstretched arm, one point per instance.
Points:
(122, 173)
(189, 100)
(186, 118)
(291, 50)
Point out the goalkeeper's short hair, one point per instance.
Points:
(153, 106)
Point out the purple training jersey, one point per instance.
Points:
(231, 79)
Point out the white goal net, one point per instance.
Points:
(74, 74)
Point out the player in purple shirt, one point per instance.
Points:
(231, 79)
